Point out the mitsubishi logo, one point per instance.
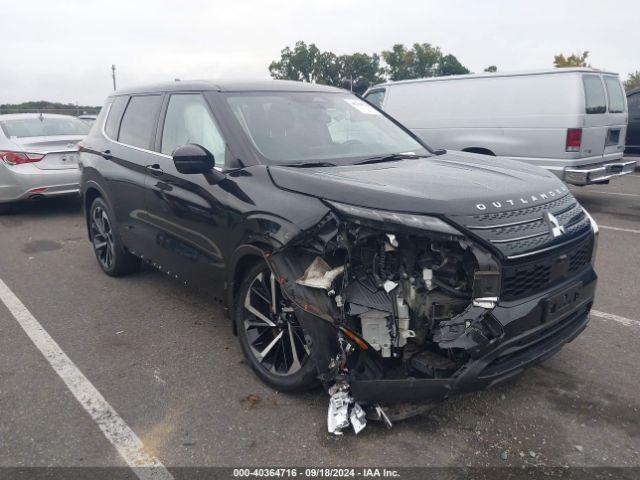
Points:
(554, 226)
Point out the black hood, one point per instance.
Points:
(449, 184)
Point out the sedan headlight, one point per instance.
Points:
(422, 222)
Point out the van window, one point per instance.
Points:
(594, 94)
(375, 97)
(139, 121)
(614, 92)
(115, 115)
(188, 121)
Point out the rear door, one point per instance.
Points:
(633, 130)
(594, 133)
(605, 122)
(616, 115)
(126, 160)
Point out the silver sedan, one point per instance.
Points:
(38, 156)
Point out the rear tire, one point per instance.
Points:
(113, 258)
(272, 340)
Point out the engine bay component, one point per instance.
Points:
(405, 303)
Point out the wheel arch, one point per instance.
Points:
(91, 191)
(243, 258)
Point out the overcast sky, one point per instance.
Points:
(63, 50)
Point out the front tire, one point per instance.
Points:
(113, 258)
(272, 340)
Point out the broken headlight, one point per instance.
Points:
(422, 222)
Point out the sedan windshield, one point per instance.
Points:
(43, 127)
(303, 127)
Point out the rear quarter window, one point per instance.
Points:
(115, 115)
(138, 124)
(595, 101)
(614, 92)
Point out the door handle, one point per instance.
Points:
(107, 155)
(155, 169)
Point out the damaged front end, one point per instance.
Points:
(396, 306)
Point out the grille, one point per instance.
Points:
(528, 278)
(523, 231)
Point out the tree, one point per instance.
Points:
(307, 63)
(303, 63)
(427, 60)
(399, 62)
(423, 60)
(574, 60)
(359, 71)
(491, 69)
(449, 65)
(632, 81)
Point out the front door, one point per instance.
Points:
(187, 213)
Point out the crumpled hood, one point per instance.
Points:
(452, 183)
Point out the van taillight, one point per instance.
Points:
(17, 158)
(574, 139)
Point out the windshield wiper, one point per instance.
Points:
(394, 157)
(309, 164)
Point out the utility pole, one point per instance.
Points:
(113, 74)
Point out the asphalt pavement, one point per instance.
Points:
(165, 359)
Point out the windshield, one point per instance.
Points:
(43, 127)
(301, 127)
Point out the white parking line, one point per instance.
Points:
(618, 229)
(607, 193)
(616, 318)
(129, 446)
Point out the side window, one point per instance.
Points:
(375, 97)
(634, 104)
(614, 92)
(139, 121)
(188, 121)
(594, 94)
(115, 115)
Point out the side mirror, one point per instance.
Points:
(192, 158)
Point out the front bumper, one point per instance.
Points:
(20, 182)
(598, 173)
(531, 335)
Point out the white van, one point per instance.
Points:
(571, 121)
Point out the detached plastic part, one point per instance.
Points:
(343, 410)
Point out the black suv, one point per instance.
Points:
(345, 251)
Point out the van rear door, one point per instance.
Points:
(605, 120)
(616, 113)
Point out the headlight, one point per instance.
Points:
(596, 232)
(421, 222)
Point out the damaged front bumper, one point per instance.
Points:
(406, 309)
(533, 333)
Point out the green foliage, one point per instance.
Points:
(49, 107)
(449, 65)
(633, 81)
(358, 71)
(491, 69)
(574, 60)
(422, 61)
